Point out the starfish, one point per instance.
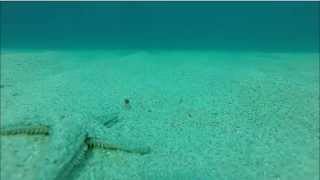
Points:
(70, 139)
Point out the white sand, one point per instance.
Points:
(206, 115)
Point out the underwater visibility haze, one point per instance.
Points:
(159, 90)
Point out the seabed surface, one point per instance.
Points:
(204, 114)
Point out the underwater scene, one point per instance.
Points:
(159, 90)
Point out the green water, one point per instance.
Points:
(263, 26)
(216, 90)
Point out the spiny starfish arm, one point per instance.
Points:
(101, 144)
(75, 161)
(65, 149)
(29, 129)
(112, 139)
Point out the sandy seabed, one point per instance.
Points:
(205, 114)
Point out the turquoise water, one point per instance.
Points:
(263, 26)
(160, 90)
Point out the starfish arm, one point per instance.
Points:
(25, 128)
(66, 148)
(101, 137)
(103, 144)
(75, 161)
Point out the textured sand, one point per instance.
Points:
(206, 115)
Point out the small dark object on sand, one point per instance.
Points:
(112, 120)
(127, 103)
(180, 100)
